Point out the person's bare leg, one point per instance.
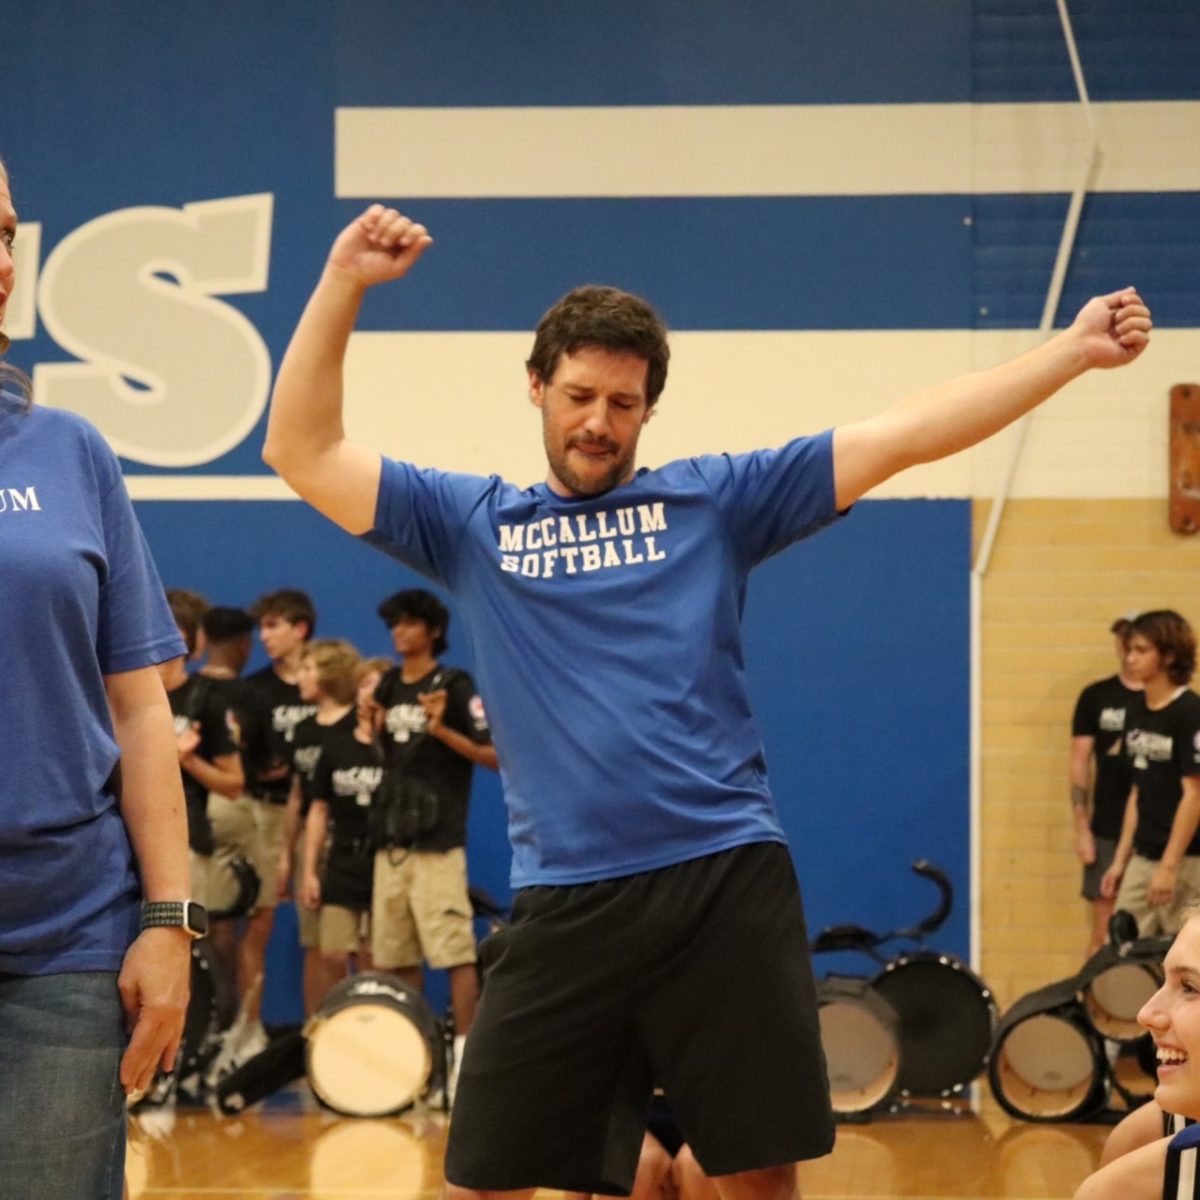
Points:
(770, 1183)
(653, 1177)
(409, 975)
(690, 1180)
(252, 957)
(464, 996)
(331, 971)
(314, 981)
(454, 1192)
(222, 941)
(653, 1169)
(1102, 909)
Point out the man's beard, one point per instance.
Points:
(591, 485)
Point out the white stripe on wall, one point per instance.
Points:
(459, 401)
(208, 487)
(761, 150)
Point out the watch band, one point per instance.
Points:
(185, 914)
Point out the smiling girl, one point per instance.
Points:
(1165, 1166)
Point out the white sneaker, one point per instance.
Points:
(155, 1119)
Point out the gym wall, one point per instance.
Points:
(832, 204)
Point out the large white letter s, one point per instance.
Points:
(130, 294)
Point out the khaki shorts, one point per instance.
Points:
(343, 930)
(1133, 897)
(212, 879)
(420, 909)
(232, 824)
(268, 839)
(200, 868)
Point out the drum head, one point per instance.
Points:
(1115, 996)
(368, 1059)
(862, 1054)
(1047, 1068)
(946, 1022)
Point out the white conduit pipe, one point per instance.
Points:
(1016, 445)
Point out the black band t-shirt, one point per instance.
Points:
(1163, 746)
(409, 751)
(347, 777)
(1100, 714)
(308, 738)
(277, 709)
(198, 703)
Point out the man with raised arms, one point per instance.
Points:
(653, 874)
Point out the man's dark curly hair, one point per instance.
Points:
(610, 319)
(417, 604)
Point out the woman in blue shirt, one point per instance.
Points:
(92, 990)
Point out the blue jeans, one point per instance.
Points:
(62, 1109)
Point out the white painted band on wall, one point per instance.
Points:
(762, 150)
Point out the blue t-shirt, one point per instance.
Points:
(79, 599)
(607, 641)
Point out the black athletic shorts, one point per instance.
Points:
(694, 978)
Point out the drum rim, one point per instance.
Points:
(857, 992)
(1095, 1097)
(409, 998)
(981, 991)
(1087, 1001)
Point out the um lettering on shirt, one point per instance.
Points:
(1112, 720)
(285, 718)
(402, 721)
(305, 760)
(359, 782)
(583, 542)
(1146, 747)
(18, 500)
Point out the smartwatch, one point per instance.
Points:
(185, 914)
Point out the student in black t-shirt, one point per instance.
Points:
(434, 733)
(338, 883)
(227, 635)
(1100, 777)
(286, 620)
(208, 755)
(327, 677)
(1156, 869)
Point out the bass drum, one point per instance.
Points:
(860, 1034)
(1048, 1063)
(373, 1047)
(947, 1017)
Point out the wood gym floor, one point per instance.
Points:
(289, 1149)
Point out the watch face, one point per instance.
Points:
(196, 918)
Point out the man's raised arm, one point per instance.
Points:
(306, 441)
(1109, 331)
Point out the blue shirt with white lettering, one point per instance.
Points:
(79, 599)
(607, 641)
